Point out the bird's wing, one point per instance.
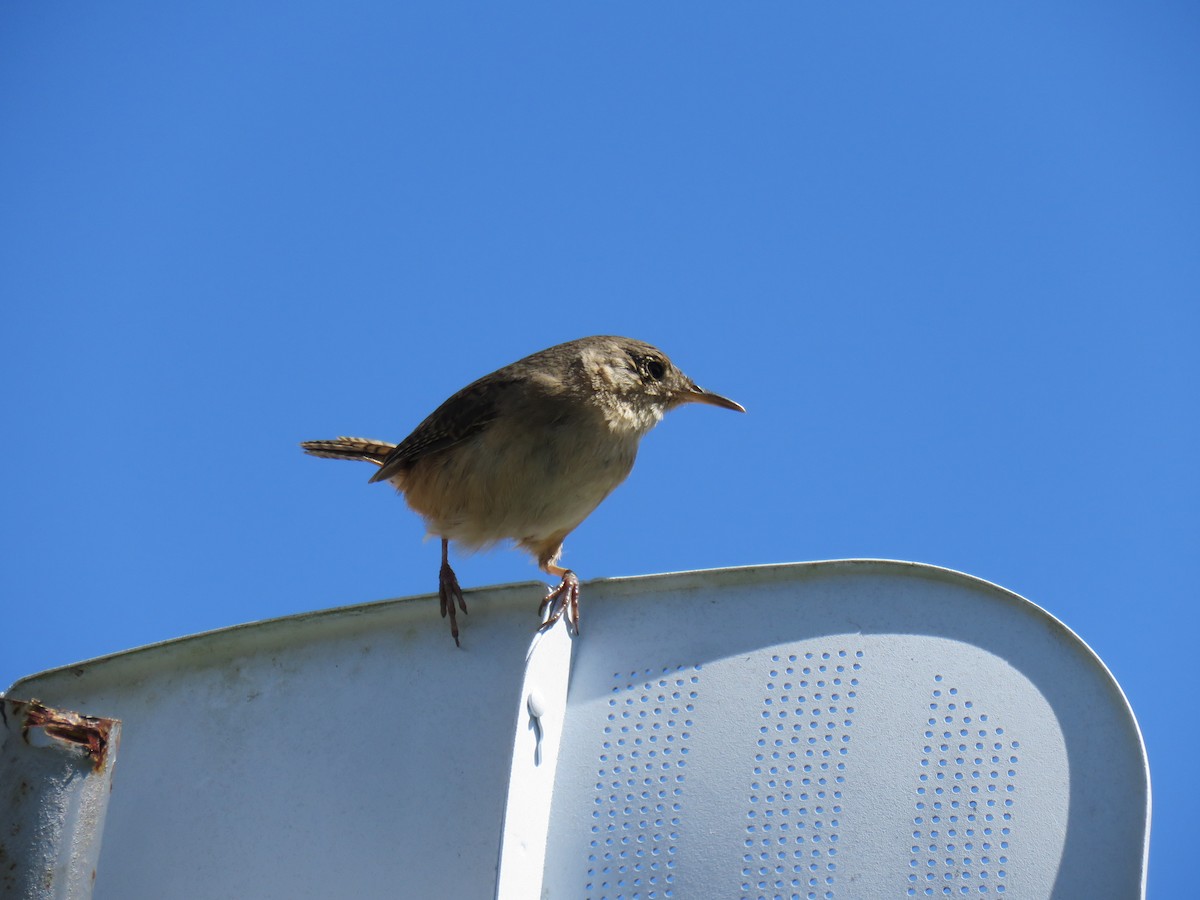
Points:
(465, 414)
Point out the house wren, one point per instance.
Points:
(526, 453)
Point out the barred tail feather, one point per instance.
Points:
(350, 448)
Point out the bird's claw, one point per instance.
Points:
(562, 600)
(448, 593)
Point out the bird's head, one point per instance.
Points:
(636, 383)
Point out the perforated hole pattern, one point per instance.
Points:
(798, 775)
(639, 784)
(966, 785)
(964, 804)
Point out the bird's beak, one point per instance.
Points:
(696, 394)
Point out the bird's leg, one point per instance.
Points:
(563, 599)
(449, 591)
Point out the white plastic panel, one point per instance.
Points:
(540, 720)
(354, 753)
(825, 730)
(852, 730)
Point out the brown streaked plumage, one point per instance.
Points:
(527, 452)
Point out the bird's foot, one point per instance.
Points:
(448, 593)
(562, 600)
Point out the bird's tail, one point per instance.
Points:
(350, 448)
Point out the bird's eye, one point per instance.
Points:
(655, 369)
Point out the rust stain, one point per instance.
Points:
(84, 731)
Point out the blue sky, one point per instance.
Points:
(946, 254)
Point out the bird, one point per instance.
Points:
(526, 453)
